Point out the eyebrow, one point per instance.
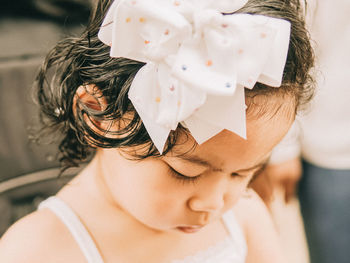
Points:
(199, 161)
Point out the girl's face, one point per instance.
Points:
(186, 191)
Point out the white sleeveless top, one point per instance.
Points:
(233, 249)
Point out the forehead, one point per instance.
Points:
(227, 149)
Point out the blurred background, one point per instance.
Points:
(28, 29)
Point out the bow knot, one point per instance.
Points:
(198, 61)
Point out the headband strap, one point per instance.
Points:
(198, 61)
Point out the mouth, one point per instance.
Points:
(189, 229)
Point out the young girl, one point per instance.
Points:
(179, 103)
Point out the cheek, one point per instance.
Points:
(150, 192)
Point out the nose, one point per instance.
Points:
(210, 203)
(210, 198)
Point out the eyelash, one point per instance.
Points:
(181, 177)
(192, 179)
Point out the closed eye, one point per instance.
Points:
(182, 177)
(238, 175)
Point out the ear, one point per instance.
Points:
(90, 96)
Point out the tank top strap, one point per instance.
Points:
(235, 231)
(75, 226)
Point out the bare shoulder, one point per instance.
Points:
(38, 237)
(262, 238)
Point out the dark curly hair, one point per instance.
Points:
(75, 62)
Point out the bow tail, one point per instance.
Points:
(145, 95)
(217, 114)
(201, 130)
(158, 133)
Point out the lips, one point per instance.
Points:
(189, 229)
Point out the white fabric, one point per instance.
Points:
(237, 235)
(232, 249)
(325, 128)
(75, 226)
(198, 61)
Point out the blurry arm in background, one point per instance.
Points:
(277, 187)
(284, 169)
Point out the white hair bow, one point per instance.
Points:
(198, 61)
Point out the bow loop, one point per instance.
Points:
(142, 32)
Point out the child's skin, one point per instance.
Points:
(138, 211)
